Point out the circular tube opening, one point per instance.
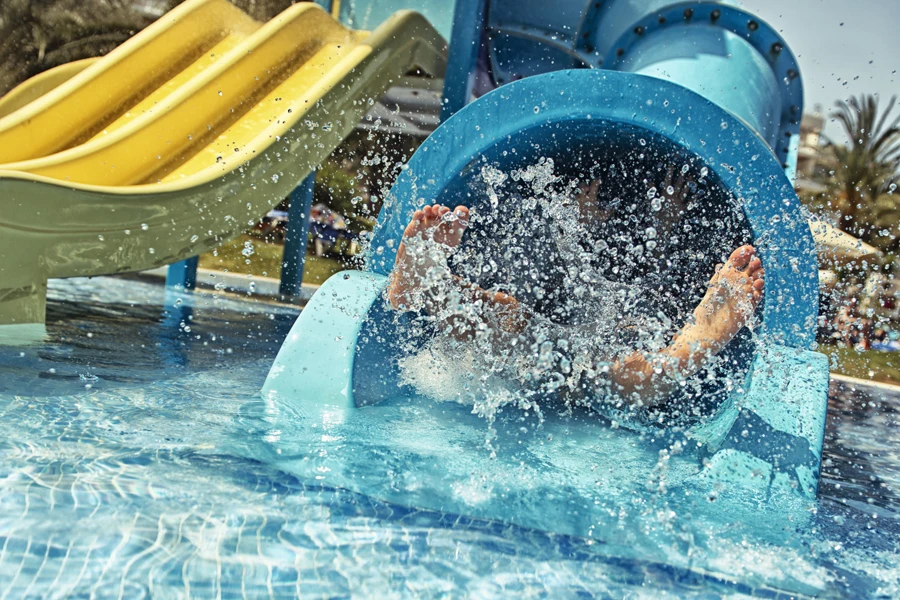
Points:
(585, 211)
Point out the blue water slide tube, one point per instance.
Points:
(342, 354)
(718, 50)
(711, 47)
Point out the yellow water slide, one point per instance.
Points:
(181, 137)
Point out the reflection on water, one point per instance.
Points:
(138, 460)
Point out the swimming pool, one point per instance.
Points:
(139, 459)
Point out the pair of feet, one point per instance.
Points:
(734, 291)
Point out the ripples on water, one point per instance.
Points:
(135, 461)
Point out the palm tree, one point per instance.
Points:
(867, 171)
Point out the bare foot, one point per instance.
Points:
(733, 295)
(430, 236)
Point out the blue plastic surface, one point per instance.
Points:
(182, 276)
(674, 34)
(465, 44)
(591, 101)
(718, 65)
(680, 41)
(294, 253)
(340, 353)
(315, 363)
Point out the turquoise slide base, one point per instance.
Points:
(776, 426)
(769, 431)
(339, 412)
(314, 365)
(571, 474)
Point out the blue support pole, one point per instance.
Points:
(294, 257)
(465, 43)
(182, 275)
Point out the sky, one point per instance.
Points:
(844, 47)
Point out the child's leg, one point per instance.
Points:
(429, 234)
(733, 295)
(432, 234)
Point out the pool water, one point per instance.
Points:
(137, 458)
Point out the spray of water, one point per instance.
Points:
(594, 269)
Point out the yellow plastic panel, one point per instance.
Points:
(79, 108)
(284, 107)
(222, 148)
(200, 108)
(42, 83)
(156, 99)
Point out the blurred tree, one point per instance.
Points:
(866, 172)
(263, 10)
(36, 35)
(355, 178)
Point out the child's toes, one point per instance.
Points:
(741, 257)
(415, 224)
(755, 264)
(432, 214)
